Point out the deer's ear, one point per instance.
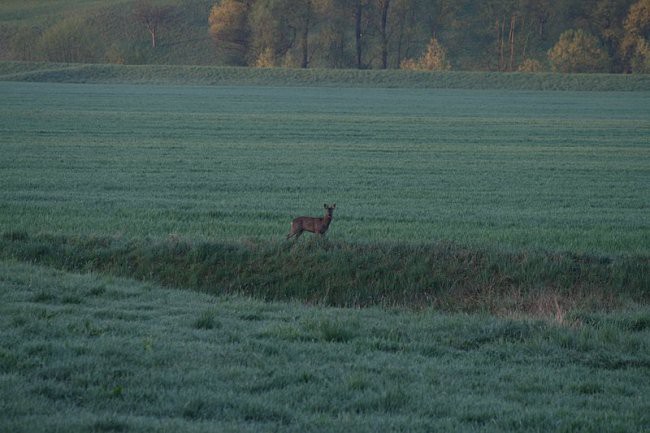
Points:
(325, 205)
(334, 206)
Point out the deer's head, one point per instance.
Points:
(329, 210)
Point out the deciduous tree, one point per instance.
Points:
(530, 65)
(71, 40)
(23, 43)
(606, 22)
(434, 59)
(281, 31)
(359, 28)
(384, 8)
(331, 42)
(230, 30)
(634, 47)
(153, 17)
(578, 51)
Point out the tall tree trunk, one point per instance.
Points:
(400, 37)
(384, 34)
(305, 45)
(501, 29)
(542, 19)
(358, 12)
(511, 40)
(523, 29)
(152, 30)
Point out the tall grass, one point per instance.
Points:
(444, 276)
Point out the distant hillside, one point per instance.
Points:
(104, 31)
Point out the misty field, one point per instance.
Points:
(497, 240)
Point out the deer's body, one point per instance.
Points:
(311, 224)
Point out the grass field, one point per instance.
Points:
(507, 170)
(527, 209)
(90, 353)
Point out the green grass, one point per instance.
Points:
(83, 352)
(233, 76)
(525, 204)
(517, 171)
(442, 275)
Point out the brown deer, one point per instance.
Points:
(311, 224)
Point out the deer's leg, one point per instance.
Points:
(292, 230)
(295, 231)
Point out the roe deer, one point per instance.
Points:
(313, 225)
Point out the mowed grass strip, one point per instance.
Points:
(83, 352)
(550, 171)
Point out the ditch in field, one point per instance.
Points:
(445, 276)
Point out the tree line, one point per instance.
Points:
(493, 35)
(487, 35)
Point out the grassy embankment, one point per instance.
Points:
(442, 275)
(211, 75)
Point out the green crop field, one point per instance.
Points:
(500, 238)
(502, 169)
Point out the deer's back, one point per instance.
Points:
(309, 224)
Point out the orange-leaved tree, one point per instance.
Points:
(434, 59)
(635, 47)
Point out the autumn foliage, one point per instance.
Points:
(494, 35)
(578, 51)
(434, 59)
